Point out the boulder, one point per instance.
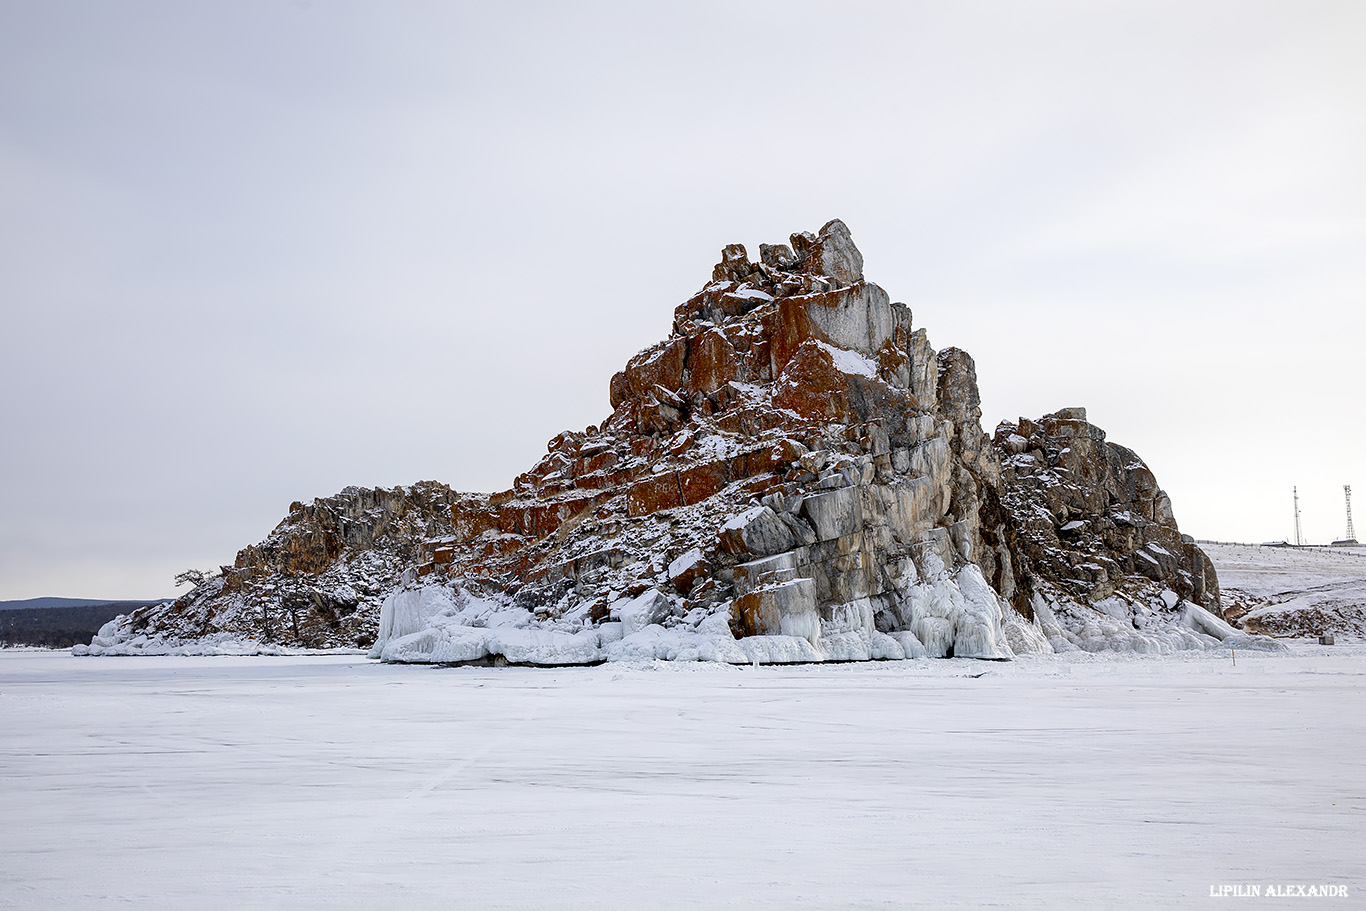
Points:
(686, 569)
(648, 608)
(779, 609)
(757, 531)
(833, 253)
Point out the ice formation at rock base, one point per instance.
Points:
(794, 475)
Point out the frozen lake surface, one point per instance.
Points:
(1076, 781)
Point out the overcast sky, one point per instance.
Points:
(254, 252)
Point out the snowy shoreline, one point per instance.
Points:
(442, 625)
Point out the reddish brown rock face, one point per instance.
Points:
(754, 615)
(792, 394)
(812, 386)
(661, 365)
(712, 362)
(654, 494)
(700, 482)
(787, 327)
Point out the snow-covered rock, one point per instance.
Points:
(794, 474)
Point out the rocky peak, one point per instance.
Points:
(824, 261)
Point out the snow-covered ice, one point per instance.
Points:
(1072, 781)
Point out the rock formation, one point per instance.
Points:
(318, 580)
(795, 474)
(1094, 539)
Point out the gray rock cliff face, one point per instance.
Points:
(795, 474)
(1090, 531)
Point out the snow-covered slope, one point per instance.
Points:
(1293, 591)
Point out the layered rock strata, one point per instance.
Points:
(794, 474)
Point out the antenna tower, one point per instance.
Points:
(1299, 538)
(1351, 532)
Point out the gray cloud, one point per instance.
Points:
(256, 252)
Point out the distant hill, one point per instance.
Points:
(39, 603)
(58, 622)
(1280, 590)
